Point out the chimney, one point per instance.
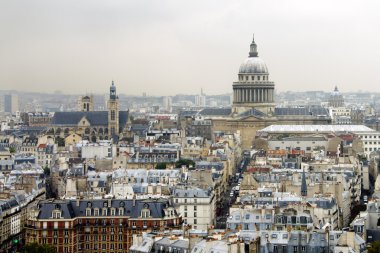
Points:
(134, 200)
(78, 202)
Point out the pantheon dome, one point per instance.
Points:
(253, 65)
(253, 90)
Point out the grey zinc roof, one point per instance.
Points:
(303, 111)
(322, 203)
(315, 128)
(215, 112)
(305, 138)
(46, 208)
(187, 113)
(191, 193)
(96, 118)
(8, 204)
(71, 209)
(181, 244)
(164, 241)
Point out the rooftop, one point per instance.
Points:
(315, 128)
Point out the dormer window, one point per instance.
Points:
(88, 212)
(104, 212)
(113, 212)
(96, 212)
(121, 211)
(56, 214)
(145, 212)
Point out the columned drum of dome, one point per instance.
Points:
(253, 88)
(336, 98)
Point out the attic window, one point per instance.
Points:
(145, 213)
(56, 214)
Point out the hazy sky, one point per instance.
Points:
(168, 47)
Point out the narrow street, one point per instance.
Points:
(227, 199)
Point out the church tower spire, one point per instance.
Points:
(113, 112)
(113, 90)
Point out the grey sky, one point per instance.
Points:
(169, 47)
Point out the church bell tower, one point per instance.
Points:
(113, 112)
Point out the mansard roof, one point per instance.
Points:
(73, 208)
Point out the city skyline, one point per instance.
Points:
(79, 48)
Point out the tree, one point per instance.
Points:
(186, 162)
(47, 171)
(260, 143)
(12, 150)
(35, 247)
(375, 247)
(160, 166)
(60, 141)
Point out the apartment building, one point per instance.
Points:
(105, 225)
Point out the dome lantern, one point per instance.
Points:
(253, 48)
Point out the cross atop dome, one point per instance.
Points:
(253, 48)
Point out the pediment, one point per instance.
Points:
(251, 118)
(84, 122)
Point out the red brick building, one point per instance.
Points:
(105, 225)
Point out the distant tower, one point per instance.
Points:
(303, 185)
(86, 103)
(167, 104)
(113, 112)
(11, 103)
(200, 100)
(336, 98)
